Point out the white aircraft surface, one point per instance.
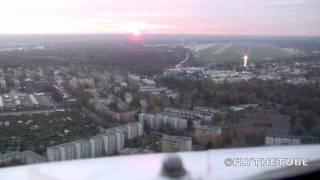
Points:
(202, 165)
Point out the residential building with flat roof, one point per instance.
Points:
(176, 143)
(281, 140)
(157, 121)
(204, 134)
(110, 142)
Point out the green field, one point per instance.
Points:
(233, 52)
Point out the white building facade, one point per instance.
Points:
(158, 121)
(110, 142)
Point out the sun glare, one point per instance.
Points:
(135, 28)
(136, 33)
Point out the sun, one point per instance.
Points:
(135, 28)
(136, 33)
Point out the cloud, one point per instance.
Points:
(291, 2)
(134, 26)
(134, 14)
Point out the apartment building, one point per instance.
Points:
(110, 142)
(267, 122)
(204, 134)
(131, 130)
(176, 143)
(185, 113)
(281, 140)
(157, 121)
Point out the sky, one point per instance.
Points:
(219, 17)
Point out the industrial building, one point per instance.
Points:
(25, 102)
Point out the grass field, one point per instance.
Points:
(233, 52)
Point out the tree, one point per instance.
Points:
(315, 131)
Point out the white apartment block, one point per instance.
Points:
(83, 149)
(112, 141)
(282, 140)
(134, 130)
(158, 121)
(3, 84)
(108, 143)
(97, 145)
(130, 130)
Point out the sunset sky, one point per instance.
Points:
(247, 17)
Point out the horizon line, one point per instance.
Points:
(155, 34)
